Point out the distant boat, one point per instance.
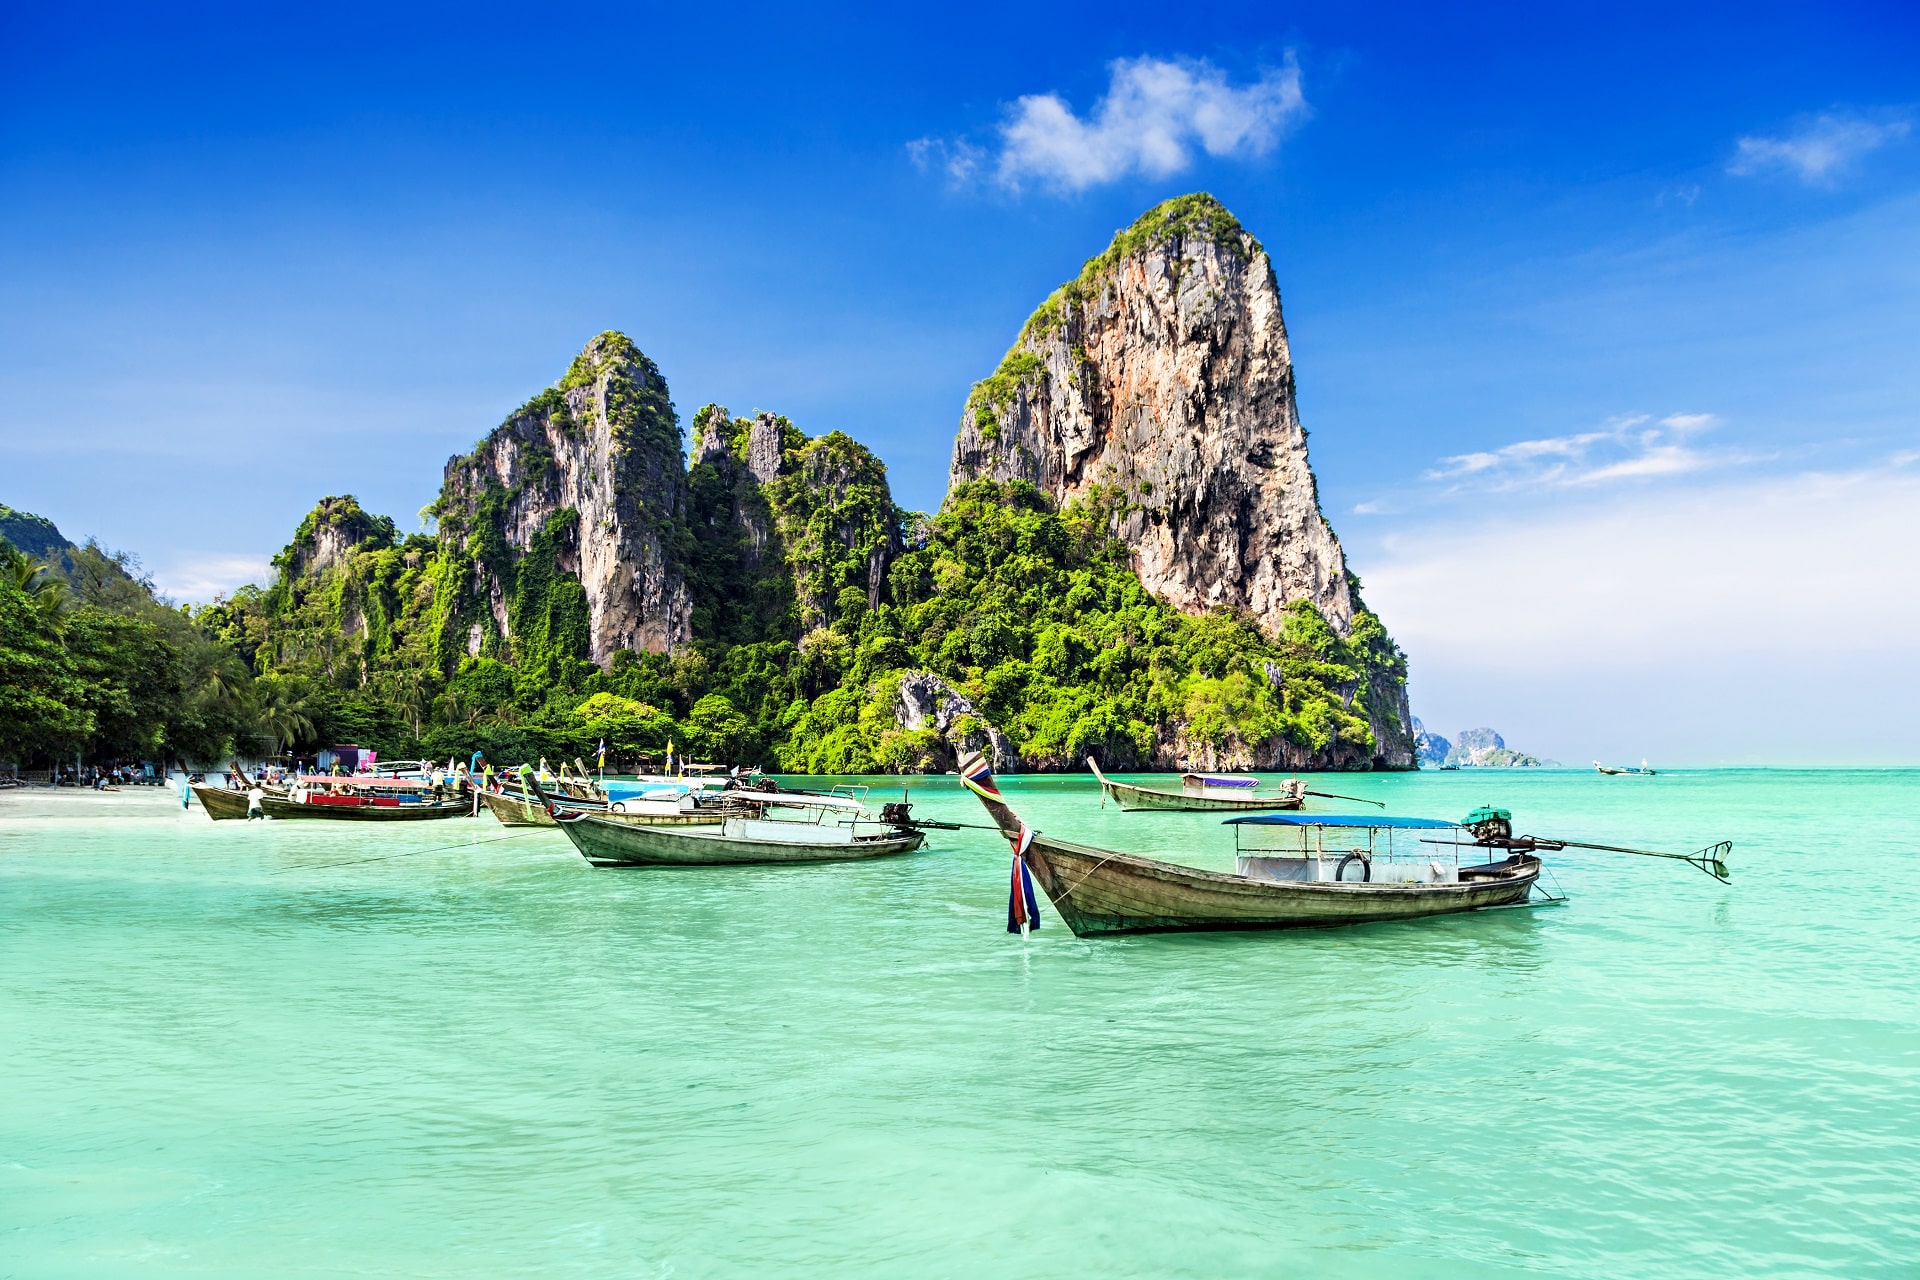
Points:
(1613, 770)
(1201, 792)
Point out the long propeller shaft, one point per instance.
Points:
(1328, 795)
(1712, 859)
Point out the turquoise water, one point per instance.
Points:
(221, 1056)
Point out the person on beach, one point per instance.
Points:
(254, 806)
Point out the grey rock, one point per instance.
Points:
(611, 452)
(1160, 384)
(1169, 384)
(925, 701)
(1484, 749)
(1429, 747)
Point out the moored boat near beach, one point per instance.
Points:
(1200, 792)
(365, 810)
(363, 798)
(742, 828)
(1293, 871)
(1101, 891)
(521, 809)
(221, 803)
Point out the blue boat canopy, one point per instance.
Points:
(1337, 820)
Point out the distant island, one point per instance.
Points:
(1130, 563)
(1471, 749)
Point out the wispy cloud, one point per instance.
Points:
(1156, 116)
(1624, 448)
(956, 158)
(1819, 150)
(201, 577)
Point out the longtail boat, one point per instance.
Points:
(221, 803)
(364, 798)
(1293, 871)
(516, 810)
(1339, 876)
(522, 809)
(1201, 792)
(741, 828)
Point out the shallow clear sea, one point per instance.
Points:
(248, 1049)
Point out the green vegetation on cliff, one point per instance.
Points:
(804, 596)
(1036, 616)
(800, 643)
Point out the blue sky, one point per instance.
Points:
(1605, 319)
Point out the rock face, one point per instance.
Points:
(603, 444)
(928, 702)
(1485, 749)
(1160, 381)
(742, 476)
(786, 524)
(1158, 386)
(334, 528)
(1429, 748)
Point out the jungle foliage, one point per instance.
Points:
(810, 595)
(95, 667)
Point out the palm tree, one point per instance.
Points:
(283, 718)
(226, 682)
(46, 589)
(412, 685)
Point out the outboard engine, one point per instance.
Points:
(896, 813)
(1488, 824)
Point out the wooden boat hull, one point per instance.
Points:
(628, 840)
(424, 811)
(516, 812)
(1130, 797)
(1098, 892)
(221, 803)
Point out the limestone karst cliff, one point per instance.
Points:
(589, 479)
(1158, 387)
(1130, 563)
(1160, 381)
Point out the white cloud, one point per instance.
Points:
(957, 159)
(1818, 151)
(201, 577)
(1156, 113)
(1625, 448)
(1752, 620)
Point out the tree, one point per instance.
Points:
(283, 716)
(40, 711)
